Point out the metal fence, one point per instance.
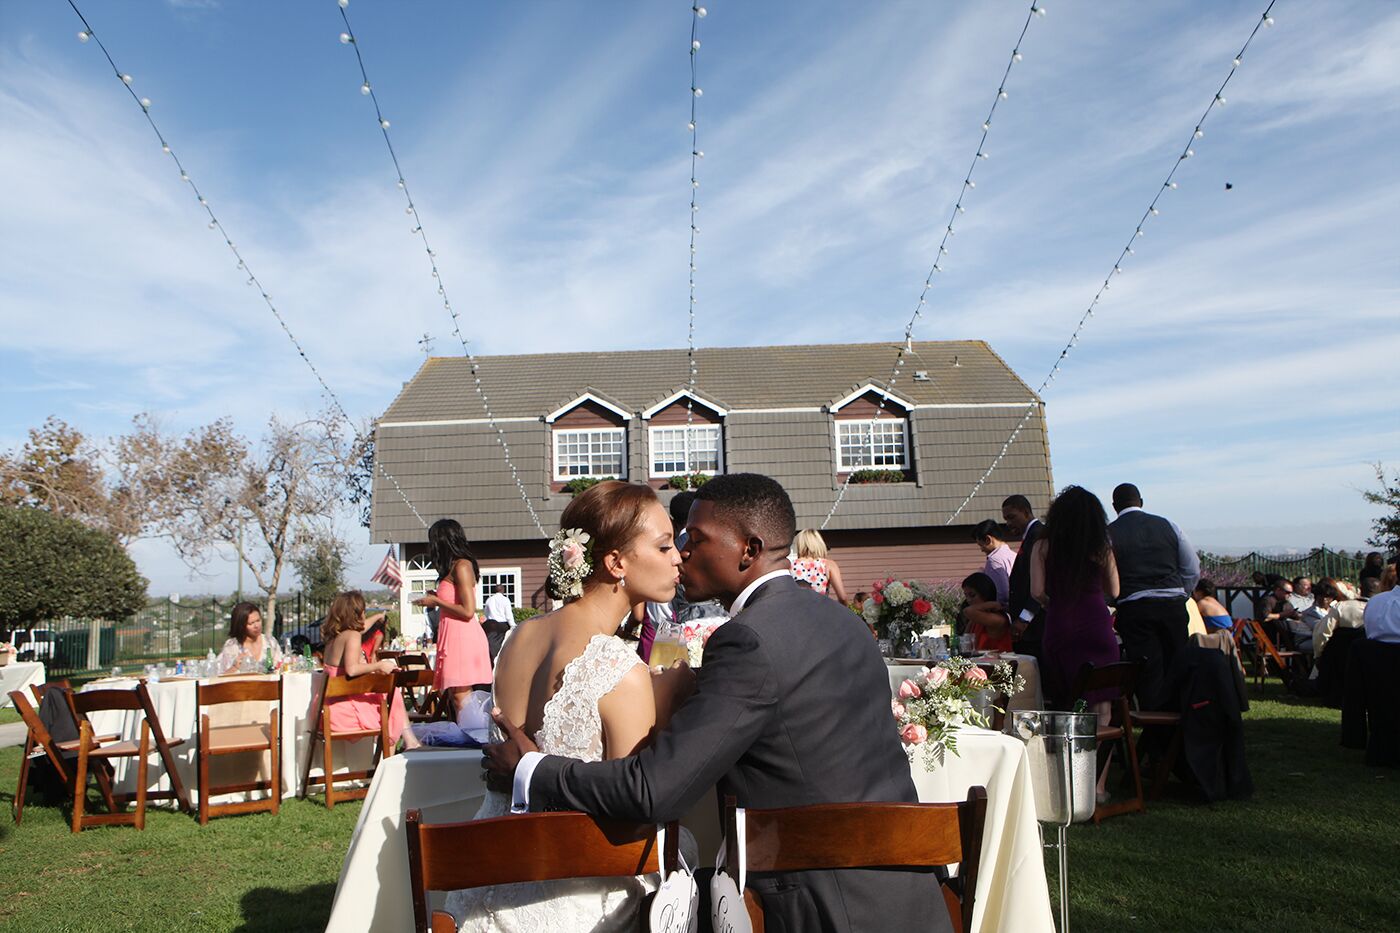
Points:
(1317, 563)
(163, 631)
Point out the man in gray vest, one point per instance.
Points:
(1157, 569)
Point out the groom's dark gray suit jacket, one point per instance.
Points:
(792, 708)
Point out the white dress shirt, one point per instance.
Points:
(499, 609)
(1383, 617)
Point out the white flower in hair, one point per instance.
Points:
(570, 561)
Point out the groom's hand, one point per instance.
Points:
(500, 759)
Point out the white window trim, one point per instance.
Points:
(848, 468)
(676, 397)
(651, 449)
(558, 433)
(586, 397)
(870, 387)
(516, 572)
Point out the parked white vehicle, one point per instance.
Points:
(34, 645)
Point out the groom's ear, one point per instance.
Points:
(752, 553)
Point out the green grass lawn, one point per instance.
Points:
(1316, 849)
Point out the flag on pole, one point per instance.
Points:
(388, 572)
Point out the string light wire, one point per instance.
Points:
(215, 224)
(697, 13)
(1168, 184)
(968, 184)
(411, 209)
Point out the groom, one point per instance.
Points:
(791, 708)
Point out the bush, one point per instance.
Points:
(583, 483)
(688, 481)
(877, 476)
(529, 612)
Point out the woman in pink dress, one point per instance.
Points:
(344, 657)
(463, 654)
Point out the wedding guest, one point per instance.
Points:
(1073, 574)
(463, 654)
(500, 614)
(1302, 598)
(1374, 567)
(1000, 558)
(1388, 579)
(344, 657)
(246, 642)
(1213, 612)
(1382, 617)
(1345, 613)
(984, 615)
(1158, 568)
(1027, 618)
(813, 568)
(1283, 612)
(1325, 594)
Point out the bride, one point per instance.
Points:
(582, 692)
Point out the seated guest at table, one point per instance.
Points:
(1213, 612)
(372, 639)
(1000, 558)
(1073, 574)
(813, 568)
(984, 615)
(1345, 613)
(1327, 592)
(1279, 610)
(344, 657)
(1383, 610)
(1302, 598)
(463, 652)
(1374, 567)
(246, 642)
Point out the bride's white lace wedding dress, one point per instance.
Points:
(571, 728)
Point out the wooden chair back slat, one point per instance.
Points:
(40, 689)
(413, 679)
(95, 701)
(354, 686)
(238, 691)
(134, 699)
(416, 659)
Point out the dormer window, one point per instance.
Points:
(590, 439)
(872, 431)
(685, 435)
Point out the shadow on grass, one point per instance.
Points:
(278, 910)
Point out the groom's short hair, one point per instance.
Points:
(754, 504)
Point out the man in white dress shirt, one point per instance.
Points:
(500, 616)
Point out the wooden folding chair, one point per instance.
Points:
(1265, 651)
(523, 847)
(420, 701)
(79, 709)
(254, 738)
(1121, 677)
(335, 688)
(95, 755)
(863, 835)
(411, 660)
(39, 742)
(40, 689)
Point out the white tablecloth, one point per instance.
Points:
(1030, 696)
(174, 702)
(19, 675)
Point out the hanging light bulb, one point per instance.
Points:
(408, 210)
(1268, 20)
(400, 182)
(384, 124)
(165, 147)
(184, 176)
(1171, 185)
(982, 155)
(1153, 210)
(345, 38)
(1236, 62)
(700, 153)
(364, 88)
(126, 79)
(697, 92)
(1038, 10)
(145, 103)
(690, 126)
(1016, 55)
(701, 12)
(970, 183)
(212, 225)
(1001, 92)
(1200, 132)
(695, 44)
(960, 208)
(986, 125)
(84, 35)
(1220, 100)
(344, 3)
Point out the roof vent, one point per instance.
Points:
(956, 364)
(921, 375)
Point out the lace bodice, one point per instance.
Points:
(572, 727)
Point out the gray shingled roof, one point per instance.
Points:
(533, 385)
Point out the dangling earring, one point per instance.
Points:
(622, 582)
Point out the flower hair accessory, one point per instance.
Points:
(570, 561)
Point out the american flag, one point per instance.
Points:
(388, 572)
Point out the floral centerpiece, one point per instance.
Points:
(899, 610)
(934, 704)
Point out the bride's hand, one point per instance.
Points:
(672, 686)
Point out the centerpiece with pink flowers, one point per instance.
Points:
(899, 610)
(935, 703)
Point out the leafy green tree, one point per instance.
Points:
(1385, 530)
(52, 567)
(320, 566)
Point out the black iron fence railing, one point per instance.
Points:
(1317, 563)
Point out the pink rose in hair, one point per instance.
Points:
(975, 675)
(572, 555)
(898, 709)
(936, 676)
(914, 734)
(909, 690)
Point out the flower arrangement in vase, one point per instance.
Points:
(933, 705)
(898, 610)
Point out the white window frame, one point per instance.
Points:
(515, 572)
(418, 577)
(561, 433)
(666, 474)
(842, 466)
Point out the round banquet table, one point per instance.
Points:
(174, 701)
(1029, 697)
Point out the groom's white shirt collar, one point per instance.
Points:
(747, 594)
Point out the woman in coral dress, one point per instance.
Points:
(344, 657)
(463, 654)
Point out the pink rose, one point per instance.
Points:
(898, 709)
(572, 554)
(913, 734)
(922, 607)
(975, 675)
(909, 690)
(936, 676)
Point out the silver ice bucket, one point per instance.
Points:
(1063, 761)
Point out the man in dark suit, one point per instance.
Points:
(1027, 617)
(791, 708)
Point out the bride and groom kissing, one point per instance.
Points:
(790, 708)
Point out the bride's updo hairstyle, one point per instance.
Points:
(613, 514)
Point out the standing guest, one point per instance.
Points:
(1383, 611)
(499, 616)
(1213, 611)
(246, 641)
(1027, 617)
(1158, 567)
(984, 615)
(1374, 567)
(1000, 558)
(463, 655)
(813, 568)
(1345, 613)
(1073, 574)
(345, 657)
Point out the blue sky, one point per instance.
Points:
(1242, 371)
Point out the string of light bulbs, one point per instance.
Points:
(968, 184)
(1169, 184)
(697, 13)
(88, 33)
(411, 209)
